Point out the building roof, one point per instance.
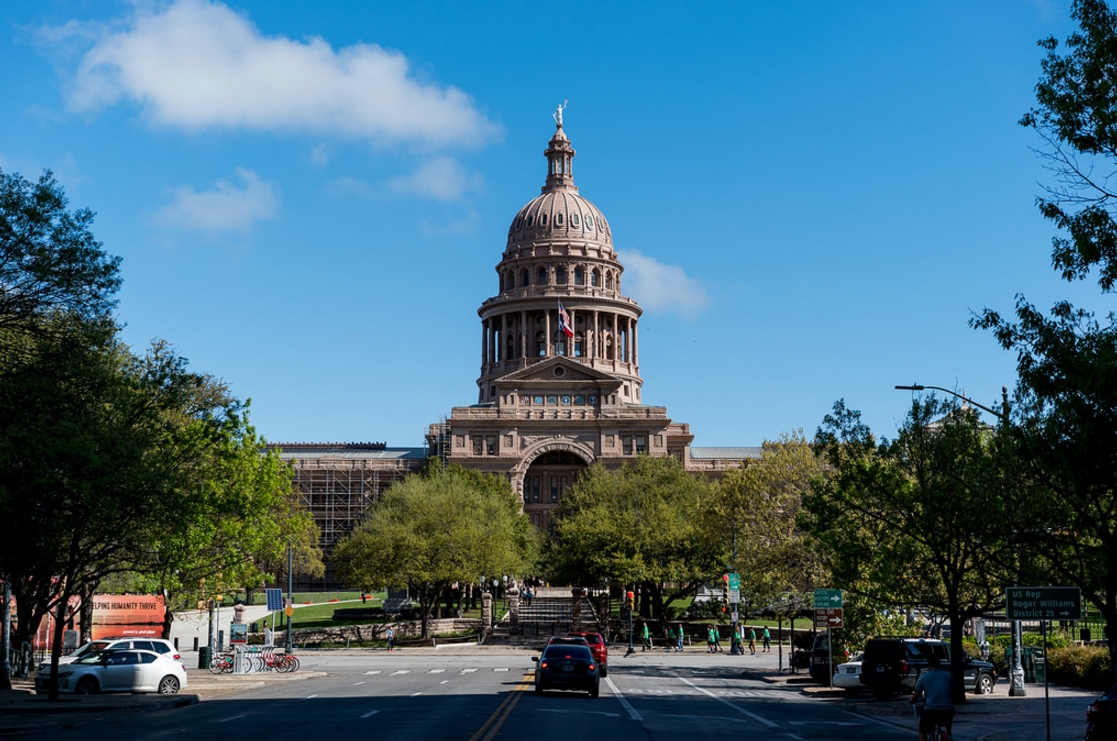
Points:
(366, 451)
(732, 454)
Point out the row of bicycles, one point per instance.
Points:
(254, 659)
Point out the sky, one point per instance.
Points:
(811, 199)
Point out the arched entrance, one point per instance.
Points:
(545, 473)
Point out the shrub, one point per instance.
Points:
(1080, 666)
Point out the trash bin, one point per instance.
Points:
(203, 657)
(1039, 665)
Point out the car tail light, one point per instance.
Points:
(591, 668)
(178, 657)
(542, 664)
(904, 666)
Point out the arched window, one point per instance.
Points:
(579, 276)
(541, 279)
(540, 344)
(530, 221)
(560, 343)
(543, 220)
(573, 219)
(501, 287)
(579, 345)
(589, 222)
(510, 352)
(560, 276)
(595, 278)
(558, 219)
(608, 281)
(609, 347)
(525, 278)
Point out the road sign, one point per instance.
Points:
(828, 617)
(734, 596)
(735, 583)
(1043, 603)
(827, 598)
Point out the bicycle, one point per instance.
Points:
(221, 663)
(940, 732)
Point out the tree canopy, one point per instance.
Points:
(446, 525)
(641, 524)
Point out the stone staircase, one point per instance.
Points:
(550, 613)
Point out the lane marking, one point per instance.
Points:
(226, 720)
(358, 684)
(415, 694)
(400, 671)
(501, 669)
(370, 714)
(624, 701)
(722, 700)
(467, 671)
(374, 671)
(444, 681)
(436, 671)
(587, 712)
(492, 726)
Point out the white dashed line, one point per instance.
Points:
(501, 669)
(357, 684)
(400, 671)
(226, 720)
(467, 671)
(444, 681)
(416, 694)
(436, 671)
(370, 713)
(374, 671)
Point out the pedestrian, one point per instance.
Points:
(391, 640)
(767, 640)
(709, 639)
(645, 636)
(752, 641)
(364, 598)
(717, 638)
(679, 635)
(735, 641)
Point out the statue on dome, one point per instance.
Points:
(558, 114)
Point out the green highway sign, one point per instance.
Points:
(824, 598)
(734, 582)
(1043, 603)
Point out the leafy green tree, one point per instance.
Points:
(753, 516)
(640, 524)
(917, 521)
(429, 531)
(49, 260)
(1065, 411)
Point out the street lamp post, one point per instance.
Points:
(1016, 687)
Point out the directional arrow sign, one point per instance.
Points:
(1043, 603)
(828, 617)
(827, 598)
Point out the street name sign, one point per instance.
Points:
(1043, 603)
(827, 598)
(828, 617)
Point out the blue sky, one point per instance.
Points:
(810, 198)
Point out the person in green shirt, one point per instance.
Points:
(645, 636)
(767, 638)
(752, 641)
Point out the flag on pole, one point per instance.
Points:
(564, 322)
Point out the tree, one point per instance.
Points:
(429, 531)
(640, 524)
(917, 521)
(1065, 412)
(753, 517)
(49, 260)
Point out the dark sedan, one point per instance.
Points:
(566, 667)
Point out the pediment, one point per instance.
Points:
(557, 370)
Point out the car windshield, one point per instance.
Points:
(558, 651)
(95, 657)
(91, 647)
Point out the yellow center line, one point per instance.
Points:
(496, 721)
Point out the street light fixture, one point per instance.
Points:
(1016, 688)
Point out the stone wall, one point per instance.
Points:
(378, 631)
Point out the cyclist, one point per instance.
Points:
(937, 688)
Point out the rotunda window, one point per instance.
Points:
(525, 279)
(541, 279)
(579, 276)
(560, 276)
(530, 221)
(541, 344)
(558, 219)
(542, 219)
(589, 222)
(573, 219)
(520, 223)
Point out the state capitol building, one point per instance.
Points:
(559, 386)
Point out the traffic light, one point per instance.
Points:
(725, 588)
(629, 601)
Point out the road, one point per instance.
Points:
(473, 697)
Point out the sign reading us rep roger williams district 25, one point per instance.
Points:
(1043, 603)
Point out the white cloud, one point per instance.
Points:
(197, 64)
(440, 178)
(227, 207)
(660, 287)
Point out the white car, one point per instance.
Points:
(130, 670)
(158, 645)
(847, 676)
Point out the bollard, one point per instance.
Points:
(195, 643)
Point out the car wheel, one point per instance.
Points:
(984, 685)
(594, 691)
(604, 670)
(168, 685)
(86, 686)
(538, 688)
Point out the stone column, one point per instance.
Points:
(484, 343)
(576, 608)
(547, 334)
(487, 612)
(514, 609)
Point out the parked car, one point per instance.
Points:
(600, 648)
(566, 666)
(822, 662)
(122, 670)
(892, 665)
(158, 645)
(847, 676)
(1101, 717)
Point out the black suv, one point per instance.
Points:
(892, 665)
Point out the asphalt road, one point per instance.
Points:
(420, 696)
